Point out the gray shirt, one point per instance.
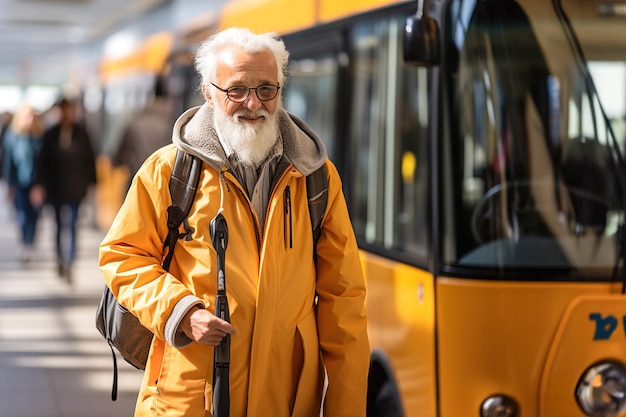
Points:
(256, 181)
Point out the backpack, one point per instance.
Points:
(116, 324)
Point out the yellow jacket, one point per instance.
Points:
(294, 321)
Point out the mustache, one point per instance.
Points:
(251, 114)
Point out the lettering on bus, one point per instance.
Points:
(605, 326)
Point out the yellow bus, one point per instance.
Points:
(480, 143)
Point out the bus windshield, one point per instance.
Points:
(531, 173)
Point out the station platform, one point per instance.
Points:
(53, 360)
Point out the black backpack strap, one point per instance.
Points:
(114, 388)
(183, 185)
(317, 195)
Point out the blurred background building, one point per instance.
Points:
(49, 47)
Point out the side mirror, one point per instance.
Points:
(421, 41)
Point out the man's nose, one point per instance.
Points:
(252, 102)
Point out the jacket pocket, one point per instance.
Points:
(308, 398)
(181, 386)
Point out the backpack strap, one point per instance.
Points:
(183, 185)
(317, 196)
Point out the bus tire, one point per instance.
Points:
(383, 398)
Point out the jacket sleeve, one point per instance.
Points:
(132, 252)
(341, 316)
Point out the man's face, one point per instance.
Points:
(237, 68)
(250, 127)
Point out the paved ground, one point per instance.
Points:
(53, 361)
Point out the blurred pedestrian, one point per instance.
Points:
(21, 144)
(65, 171)
(5, 121)
(147, 131)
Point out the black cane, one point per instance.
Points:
(221, 389)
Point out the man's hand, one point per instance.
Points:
(204, 327)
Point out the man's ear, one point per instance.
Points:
(207, 95)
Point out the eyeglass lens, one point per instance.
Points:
(263, 92)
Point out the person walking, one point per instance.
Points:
(5, 121)
(147, 131)
(22, 141)
(297, 312)
(65, 171)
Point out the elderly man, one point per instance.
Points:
(296, 319)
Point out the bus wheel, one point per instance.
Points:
(383, 399)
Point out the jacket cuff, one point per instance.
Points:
(173, 334)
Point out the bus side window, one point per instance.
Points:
(411, 163)
(388, 143)
(311, 95)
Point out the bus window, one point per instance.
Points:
(409, 164)
(610, 81)
(534, 178)
(310, 95)
(367, 130)
(388, 145)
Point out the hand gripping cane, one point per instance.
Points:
(221, 371)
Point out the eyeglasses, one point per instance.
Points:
(265, 92)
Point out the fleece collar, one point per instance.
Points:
(195, 133)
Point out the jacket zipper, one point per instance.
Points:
(288, 217)
(257, 232)
(245, 196)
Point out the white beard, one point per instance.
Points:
(250, 143)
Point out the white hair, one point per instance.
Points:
(205, 61)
